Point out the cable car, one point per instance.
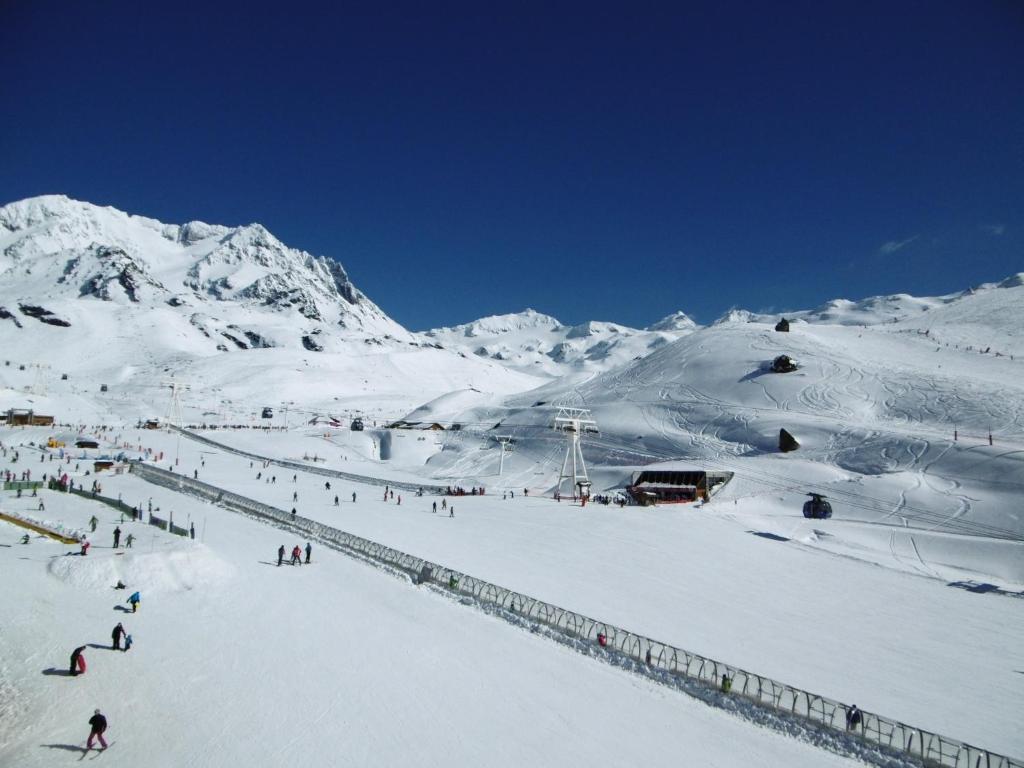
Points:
(357, 425)
(268, 412)
(816, 507)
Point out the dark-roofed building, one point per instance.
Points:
(675, 482)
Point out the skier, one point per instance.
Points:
(327, 486)
(192, 531)
(117, 536)
(444, 504)
(726, 682)
(128, 541)
(296, 555)
(85, 546)
(280, 555)
(134, 600)
(25, 539)
(127, 643)
(309, 551)
(335, 501)
(353, 497)
(295, 496)
(451, 511)
(853, 718)
(116, 636)
(435, 507)
(93, 522)
(77, 661)
(399, 500)
(98, 724)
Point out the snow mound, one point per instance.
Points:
(177, 570)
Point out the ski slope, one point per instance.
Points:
(238, 661)
(767, 591)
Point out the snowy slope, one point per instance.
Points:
(236, 661)
(987, 316)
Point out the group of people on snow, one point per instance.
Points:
(296, 554)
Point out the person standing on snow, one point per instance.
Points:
(77, 661)
(93, 522)
(296, 555)
(116, 636)
(128, 541)
(353, 497)
(127, 642)
(309, 551)
(435, 507)
(85, 546)
(451, 511)
(117, 536)
(98, 724)
(280, 555)
(336, 501)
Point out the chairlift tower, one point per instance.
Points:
(174, 410)
(506, 442)
(574, 422)
(174, 406)
(39, 381)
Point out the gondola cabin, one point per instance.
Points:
(357, 425)
(817, 507)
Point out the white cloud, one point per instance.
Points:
(993, 229)
(894, 245)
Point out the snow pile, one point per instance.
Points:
(173, 570)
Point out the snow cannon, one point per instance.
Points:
(817, 507)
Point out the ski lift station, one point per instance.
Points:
(674, 482)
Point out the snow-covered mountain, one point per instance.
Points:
(239, 287)
(537, 343)
(127, 298)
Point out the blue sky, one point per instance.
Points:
(590, 161)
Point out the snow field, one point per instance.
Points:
(336, 663)
(814, 610)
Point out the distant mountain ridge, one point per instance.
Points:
(533, 342)
(226, 289)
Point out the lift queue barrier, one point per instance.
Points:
(432, 489)
(931, 749)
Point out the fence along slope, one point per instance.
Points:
(930, 748)
(398, 485)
